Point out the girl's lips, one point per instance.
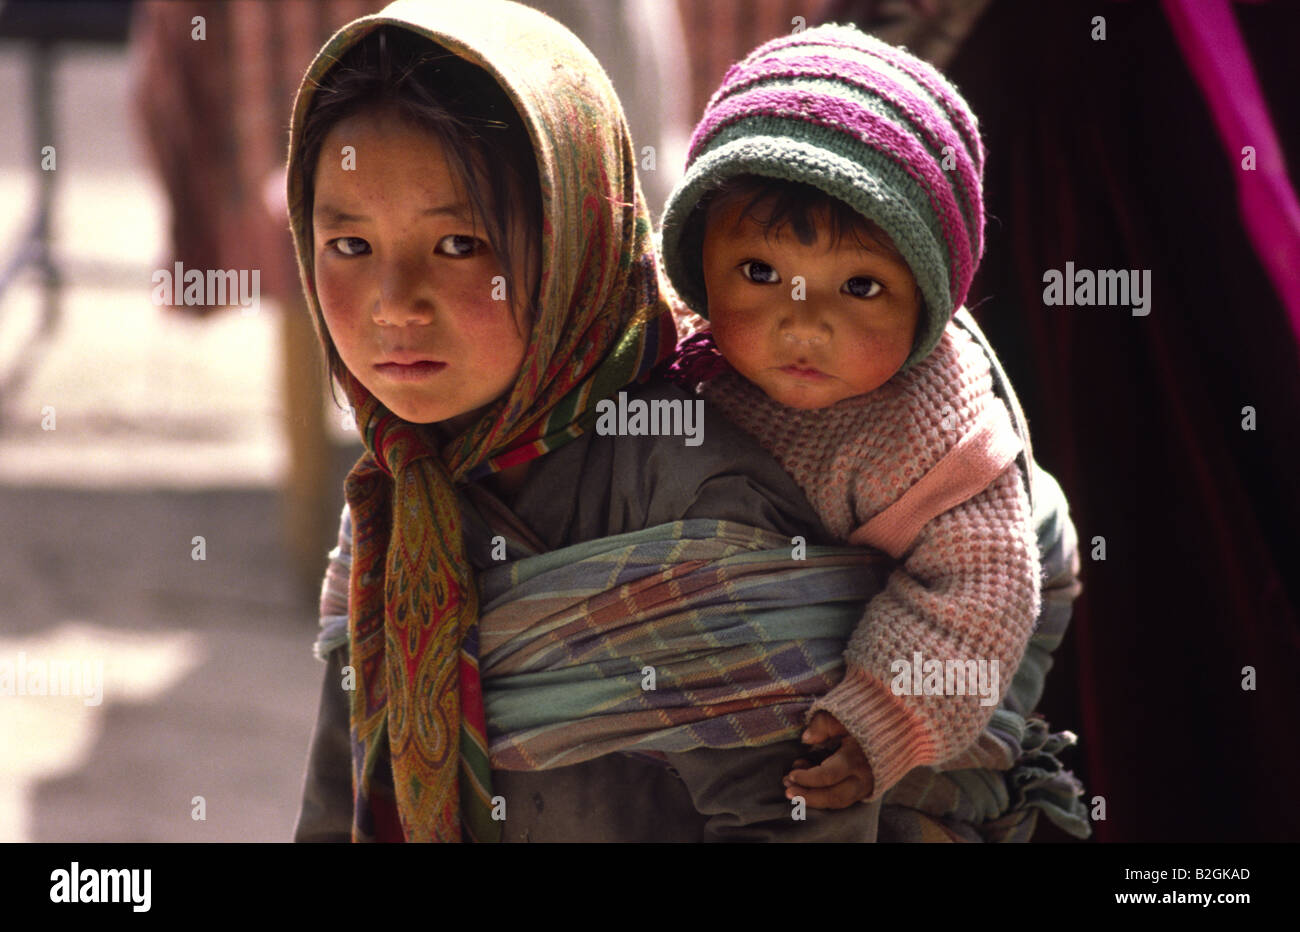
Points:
(801, 372)
(409, 373)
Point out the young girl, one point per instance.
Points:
(479, 263)
(828, 226)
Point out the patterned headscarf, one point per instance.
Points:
(420, 766)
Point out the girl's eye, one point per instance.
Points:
(863, 287)
(351, 245)
(459, 246)
(759, 272)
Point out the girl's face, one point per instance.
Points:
(406, 281)
(810, 324)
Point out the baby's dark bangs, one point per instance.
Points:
(775, 203)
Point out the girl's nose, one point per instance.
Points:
(402, 299)
(391, 314)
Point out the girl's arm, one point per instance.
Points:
(326, 812)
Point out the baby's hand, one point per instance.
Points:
(840, 780)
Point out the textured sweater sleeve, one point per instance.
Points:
(967, 591)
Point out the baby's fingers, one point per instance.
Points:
(835, 769)
(840, 796)
(822, 728)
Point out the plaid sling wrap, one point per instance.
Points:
(740, 634)
(741, 639)
(420, 766)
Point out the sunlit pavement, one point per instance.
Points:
(164, 429)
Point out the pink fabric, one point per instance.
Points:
(966, 470)
(1207, 33)
(697, 360)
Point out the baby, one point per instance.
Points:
(828, 226)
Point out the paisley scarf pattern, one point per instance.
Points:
(419, 751)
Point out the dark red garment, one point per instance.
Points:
(1104, 153)
(214, 115)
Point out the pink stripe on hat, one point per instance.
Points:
(937, 132)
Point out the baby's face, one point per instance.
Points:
(404, 275)
(843, 330)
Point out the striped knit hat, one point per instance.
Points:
(864, 121)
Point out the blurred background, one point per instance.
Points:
(135, 438)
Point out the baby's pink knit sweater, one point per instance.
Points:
(923, 468)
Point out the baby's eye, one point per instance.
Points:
(863, 287)
(759, 272)
(350, 245)
(459, 246)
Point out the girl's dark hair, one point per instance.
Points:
(487, 146)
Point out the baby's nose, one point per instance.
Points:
(804, 335)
